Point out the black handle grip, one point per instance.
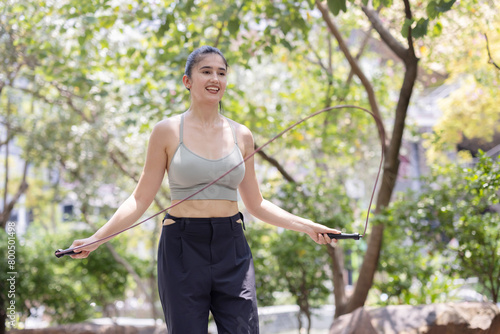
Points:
(61, 252)
(355, 236)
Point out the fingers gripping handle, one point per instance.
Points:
(61, 252)
(355, 236)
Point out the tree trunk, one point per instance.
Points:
(309, 322)
(7, 210)
(299, 319)
(336, 254)
(391, 165)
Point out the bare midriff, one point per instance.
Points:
(204, 208)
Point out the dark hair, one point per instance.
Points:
(195, 57)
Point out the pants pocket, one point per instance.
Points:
(242, 249)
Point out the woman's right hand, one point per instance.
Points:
(83, 252)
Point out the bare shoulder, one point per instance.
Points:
(169, 123)
(168, 126)
(244, 137)
(166, 131)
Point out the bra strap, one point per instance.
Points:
(181, 128)
(232, 129)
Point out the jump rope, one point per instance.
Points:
(71, 251)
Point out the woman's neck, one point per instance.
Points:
(205, 115)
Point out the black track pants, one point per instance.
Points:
(205, 264)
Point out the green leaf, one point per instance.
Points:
(88, 20)
(437, 29)
(436, 7)
(431, 10)
(165, 26)
(420, 29)
(386, 3)
(406, 25)
(233, 26)
(444, 6)
(107, 21)
(81, 40)
(287, 44)
(131, 51)
(336, 6)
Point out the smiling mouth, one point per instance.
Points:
(213, 89)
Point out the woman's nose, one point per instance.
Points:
(214, 77)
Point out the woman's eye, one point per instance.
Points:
(222, 73)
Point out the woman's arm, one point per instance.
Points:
(141, 198)
(268, 212)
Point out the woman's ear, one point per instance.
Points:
(187, 82)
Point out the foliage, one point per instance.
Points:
(470, 111)
(428, 11)
(286, 261)
(302, 265)
(93, 78)
(260, 238)
(455, 217)
(409, 272)
(70, 291)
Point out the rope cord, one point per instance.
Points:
(380, 127)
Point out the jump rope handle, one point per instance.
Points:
(355, 236)
(61, 252)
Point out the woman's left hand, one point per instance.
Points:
(318, 233)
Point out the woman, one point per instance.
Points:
(204, 262)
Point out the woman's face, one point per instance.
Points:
(208, 79)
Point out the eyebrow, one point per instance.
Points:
(210, 67)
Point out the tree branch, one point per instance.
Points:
(134, 176)
(37, 95)
(362, 48)
(6, 163)
(219, 35)
(337, 265)
(318, 60)
(276, 164)
(64, 93)
(330, 54)
(354, 65)
(385, 35)
(490, 59)
(409, 16)
(5, 214)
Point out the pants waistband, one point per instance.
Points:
(237, 218)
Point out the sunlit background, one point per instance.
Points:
(82, 83)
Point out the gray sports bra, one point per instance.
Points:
(189, 172)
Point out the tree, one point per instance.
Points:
(451, 226)
(107, 72)
(470, 112)
(411, 29)
(77, 75)
(302, 264)
(70, 291)
(12, 61)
